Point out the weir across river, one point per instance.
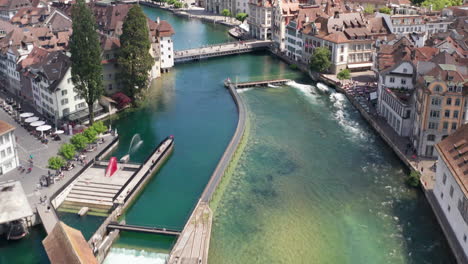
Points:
(218, 50)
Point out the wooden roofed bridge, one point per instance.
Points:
(222, 49)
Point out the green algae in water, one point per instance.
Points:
(318, 186)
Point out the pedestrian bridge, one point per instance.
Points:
(218, 50)
(144, 229)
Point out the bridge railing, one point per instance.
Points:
(159, 227)
(223, 44)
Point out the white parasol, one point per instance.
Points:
(37, 123)
(31, 119)
(25, 115)
(58, 132)
(43, 128)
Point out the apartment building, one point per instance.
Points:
(395, 65)
(8, 154)
(284, 12)
(451, 184)
(441, 103)
(350, 37)
(260, 19)
(52, 87)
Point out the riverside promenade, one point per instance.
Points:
(194, 12)
(28, 145)
(400, 145)
(194, 241)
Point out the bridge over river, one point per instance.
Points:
(218, 50)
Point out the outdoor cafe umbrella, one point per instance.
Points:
(31, 119)
(26, 115)
(37, 123)
(43, 128)
(58, 132)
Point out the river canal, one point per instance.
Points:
(315, 184)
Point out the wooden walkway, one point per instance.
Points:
(218, 50)
(144, 229)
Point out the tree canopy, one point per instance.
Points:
(67, 151)
(344, 75)
(241, 17)
(56, 162)
(86, 68)
(134, 58)
(440, 4)
(320, 59)
(369, 9)
(385, 10)
(226, 12)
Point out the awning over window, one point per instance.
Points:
(82, 115)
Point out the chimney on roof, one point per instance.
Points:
(157, 20)
(337, 14)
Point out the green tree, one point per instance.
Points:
(79, 141)
(171, 2)
(99, 127)
(67, 151)
(385, 10)
(86, 71)
(178, 4)
(320, 60)
(440, 4)
(242, 17)
(90, 134)
(369, 9)
(56, 163)
(413, 179)
(344, 75)
(226, 12)
(134, 54)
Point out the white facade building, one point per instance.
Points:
(167, 53)
(414, 23)
(450, 187)
(394, 101)
(8, 154)
(53, 89)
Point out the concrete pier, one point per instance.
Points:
(102, 239)
(194, 241)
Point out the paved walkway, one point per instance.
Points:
(424, 165)
(195, 12)
(27, 145)
(48, 217)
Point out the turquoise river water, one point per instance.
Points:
(314, 185)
